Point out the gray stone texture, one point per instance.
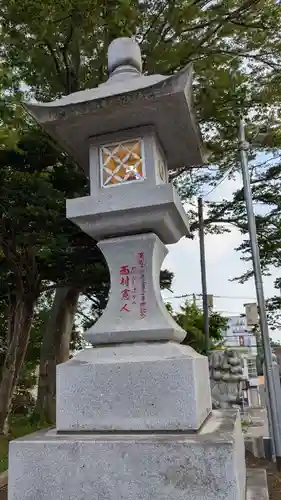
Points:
(226, 377)
(127, 100)
(124, 52)
(208, 465)
(137, 387)
(131, 209)
(256, 434)
(147, 205)
(256, 485)
(254, 396)
(135, 311)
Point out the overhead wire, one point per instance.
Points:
(204, 195)
(215, 296)
(228, 171)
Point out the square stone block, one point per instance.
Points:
(257, 485)
(208, 465)
(133, 387)
(131, 210)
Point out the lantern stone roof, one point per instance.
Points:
(127, 100)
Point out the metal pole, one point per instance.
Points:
(203, 274)
(272, 395)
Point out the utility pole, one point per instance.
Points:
(272, 393)
(203, 274)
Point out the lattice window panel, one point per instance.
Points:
(122, 162)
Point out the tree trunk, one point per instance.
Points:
(21, 315)
(55, 350)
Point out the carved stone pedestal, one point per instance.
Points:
(134, 387)
(207, 465)
(135, 311)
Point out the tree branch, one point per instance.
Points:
(55, 59)
(249, 25)
(53, 55)
(258, 57)
(154, 21)
(56, 21)
(212, 31)
(68, 80)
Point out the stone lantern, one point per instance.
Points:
(127, 134)
(134, 416)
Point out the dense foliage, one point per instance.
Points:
(191, 319)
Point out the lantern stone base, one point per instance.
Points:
(209, 465)
(133, 387)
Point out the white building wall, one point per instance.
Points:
(238, 334)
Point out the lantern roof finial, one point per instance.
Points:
(128, 99)
(124, 58)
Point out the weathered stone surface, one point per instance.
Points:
(226, 377)
(131, 210)
(127, 100)
(256, 485)
(206, 466)
(155, 386)
(135, 311)
(123, 52)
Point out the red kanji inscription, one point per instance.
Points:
(124, 270)
(125, 308)
(125, 294)
(124, 281)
